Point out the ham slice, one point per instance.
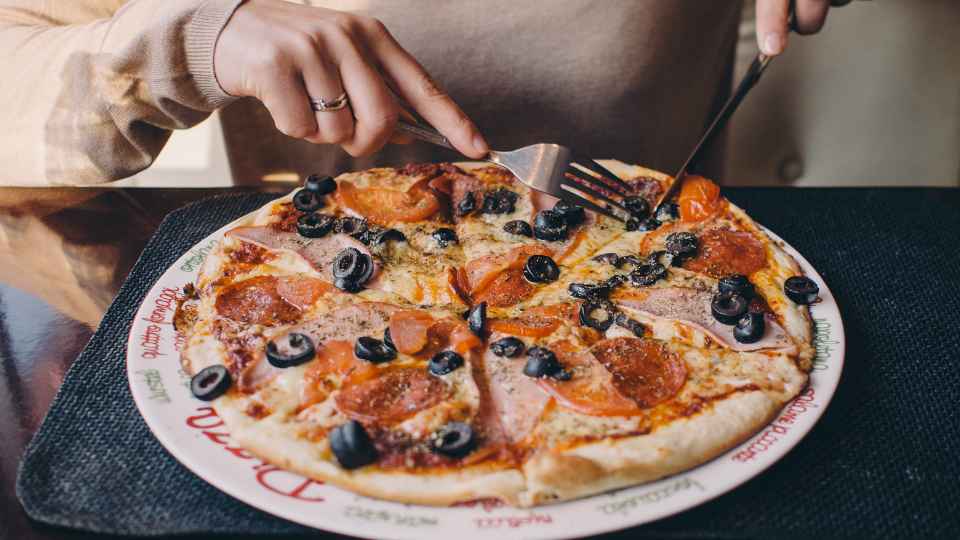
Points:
(691, 307)
(517, 401)
(318, 252)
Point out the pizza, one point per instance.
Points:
(437, 334)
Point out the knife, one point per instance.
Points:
(755, 71)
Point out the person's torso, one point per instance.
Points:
(627, 79)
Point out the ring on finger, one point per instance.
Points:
(322, 105)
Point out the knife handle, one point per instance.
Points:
(424, 133)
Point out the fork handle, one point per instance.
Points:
(424, 133)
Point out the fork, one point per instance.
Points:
(550, 168)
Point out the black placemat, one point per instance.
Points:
(883, 462)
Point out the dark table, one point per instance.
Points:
(64, 253)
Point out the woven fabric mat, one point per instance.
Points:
(884, 461)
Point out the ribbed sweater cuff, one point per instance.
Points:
(201, 39)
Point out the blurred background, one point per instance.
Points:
(874, 99)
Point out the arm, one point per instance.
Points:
(91, 95)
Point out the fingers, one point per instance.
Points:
(811, 14)
(286, 98)
(772, 27)
(374, 108)
(416, 87)
(322, 80)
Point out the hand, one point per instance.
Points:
(772, 27)
(283, 54)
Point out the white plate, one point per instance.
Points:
(192, 432)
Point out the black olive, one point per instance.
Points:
(630, 324)
(477, 318)
(454, 439)
(467, 204)
(589, 291)
(315, 225)
(682, 244)
(500, 201)
(727, 308)
(519, 228)
(647, 274)
(649, 224)
(373, 350)
(445, 236)
(444, 362)
(667, 212)
(638, 207)
(750, 327)
(633, 260)
(575, 215)
(347, 285)
(388, 339)
(661, 257)
(633, 224)
(353, 265)
(802, 290)
(540, 269)
(609, 258)
(541, 363)
(587, 311)
(616, 280)
(290, 350)
(210, 383)
(349, 225)
(508, 347)
(381, 236)
(307, 201)
(736, 284)
(352, 446)
(321, 185)
(550, 226)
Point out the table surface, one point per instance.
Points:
(65, 252)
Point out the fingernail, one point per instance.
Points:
(773, 44)
(480, 144)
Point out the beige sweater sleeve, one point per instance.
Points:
(93, 88)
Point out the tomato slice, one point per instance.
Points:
(643, 370)
(409, 330)
(508, 288)
(699, 199)
(535, 322)
(333, 358)
(385, 206)
(591, 389)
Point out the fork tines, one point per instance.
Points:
(603, 186)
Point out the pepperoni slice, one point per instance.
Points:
(723, 252)
(535, 322)
(333, 358)
(699, 199)
(385, 206)
(480, 273)
(255, 301)
(643, 370)
(591, 389)
(506, 289)
(395, 395)
(301, 291)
